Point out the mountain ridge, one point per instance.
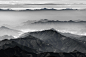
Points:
(36, 44)
(66, 44)
(7, 31)
(4, 44)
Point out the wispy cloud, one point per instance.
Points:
(40, 1)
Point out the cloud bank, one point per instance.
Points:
(40, 1)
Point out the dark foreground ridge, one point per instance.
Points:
(59, 41)
(18, 52)
(46, 43)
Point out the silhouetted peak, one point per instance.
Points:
(53, 29)
(47, 31)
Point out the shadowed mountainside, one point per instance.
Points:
(4, 44)
(66, 44)
(73, 36)
(71, 54)
(18, 52)
(46, 43)
(36, 43)
(29, 42)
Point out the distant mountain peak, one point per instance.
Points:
(43, 20)
(4, 27)
(52, 30)
(9, 31)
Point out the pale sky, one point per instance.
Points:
(40, 1)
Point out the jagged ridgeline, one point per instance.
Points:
(44, 43)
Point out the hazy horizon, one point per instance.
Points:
(15, 19)
(18, 17)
